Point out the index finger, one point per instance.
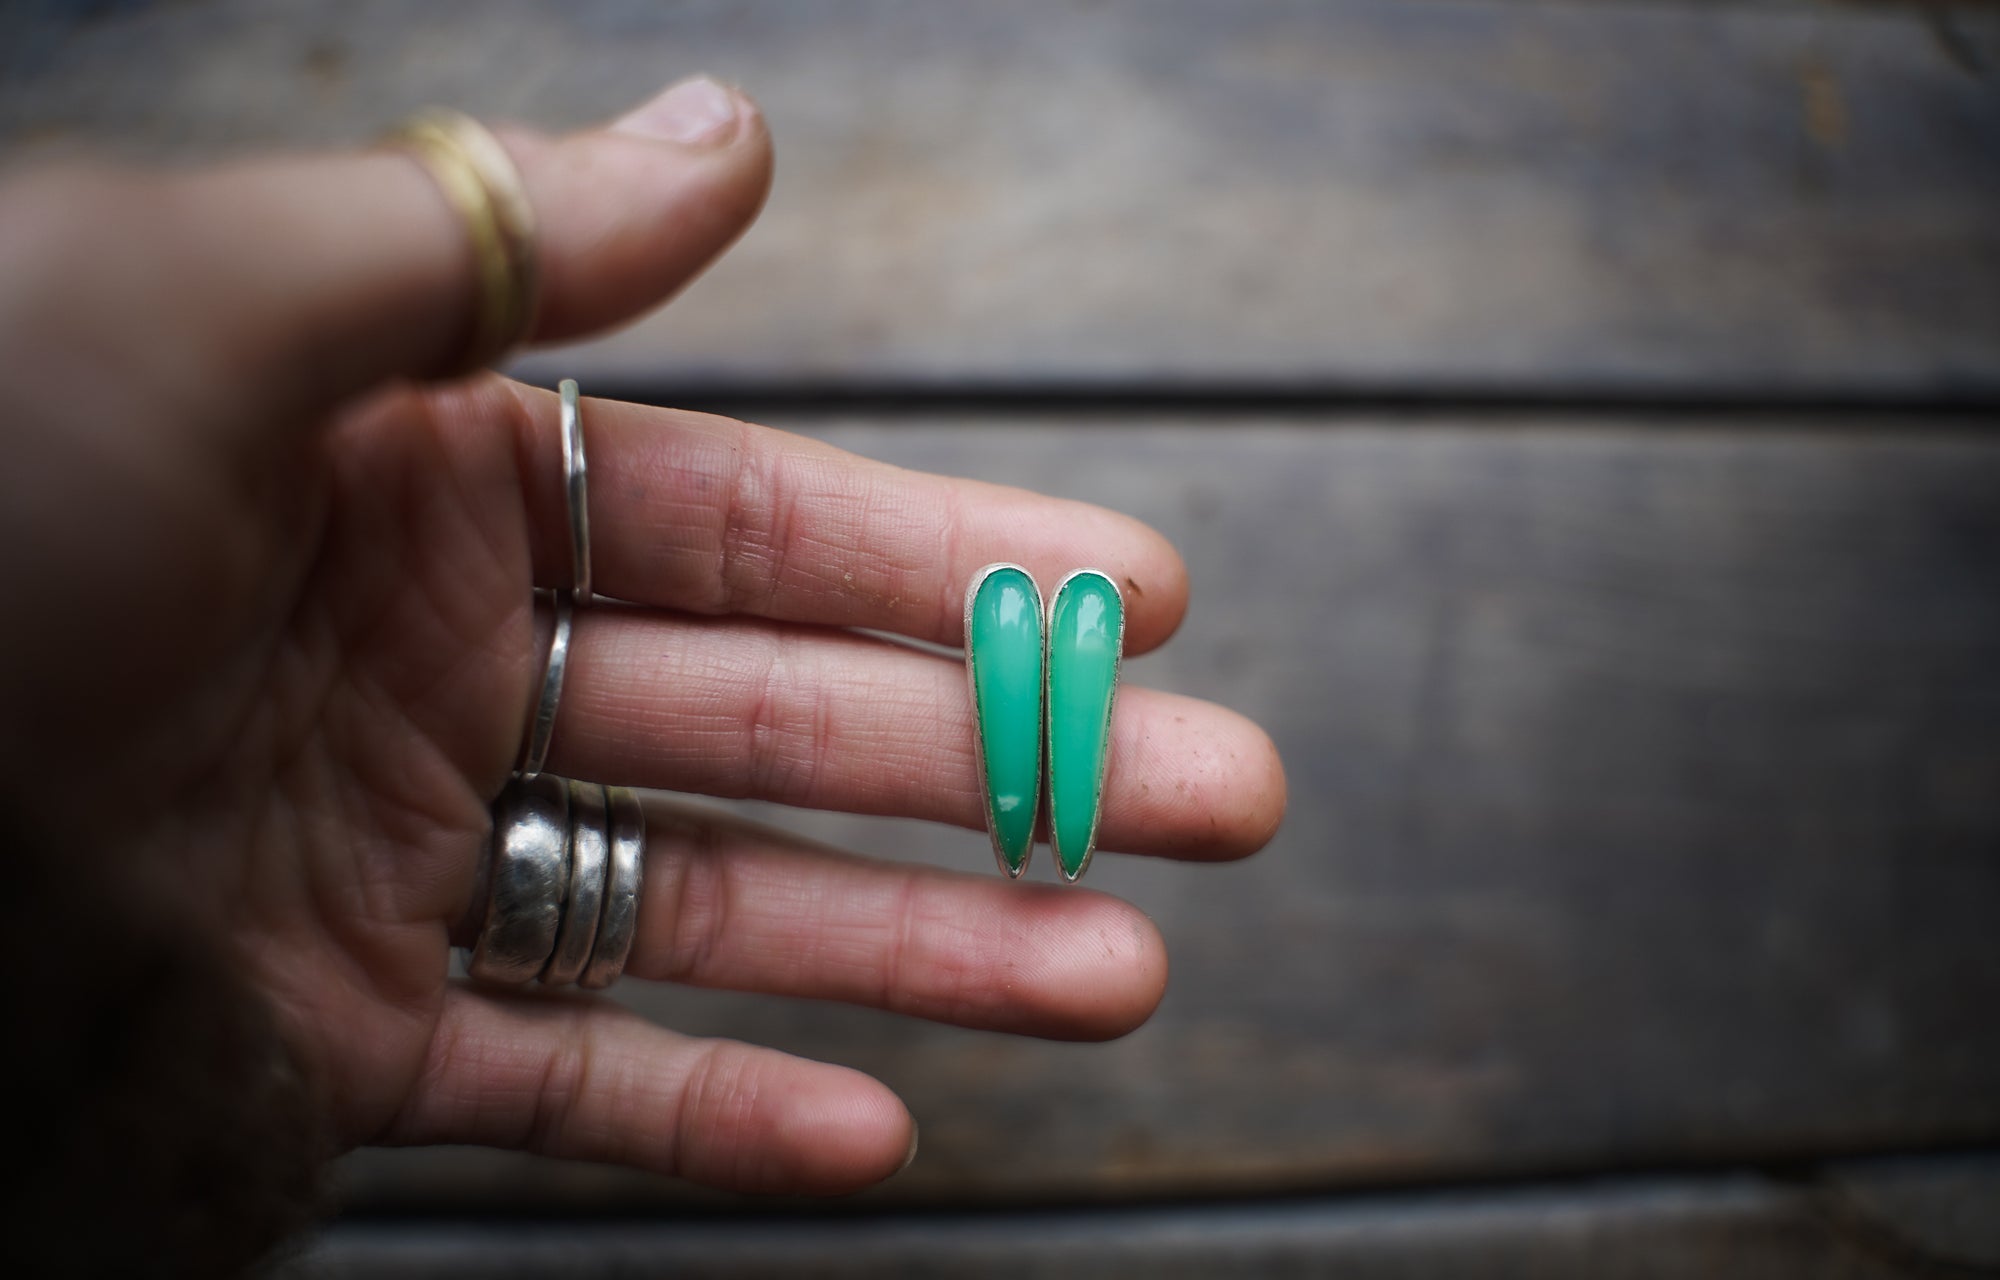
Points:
(706, 514)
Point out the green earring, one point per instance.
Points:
(1086, 640)
(1003, 663)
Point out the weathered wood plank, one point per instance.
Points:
(1645, 808)
(1694, 1227)
(1624, 199)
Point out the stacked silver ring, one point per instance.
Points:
(558, 899)
(563, 878)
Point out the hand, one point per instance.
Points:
(276, 601)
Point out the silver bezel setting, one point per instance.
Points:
(1048, 712)
(979, 726)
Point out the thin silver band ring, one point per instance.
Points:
(576, 491)
(624, 880)
(589, 851)
(526, 882)
(535, 749)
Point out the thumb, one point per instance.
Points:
(292, 284)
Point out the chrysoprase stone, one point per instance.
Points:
(1004, 647)
(1086, 631)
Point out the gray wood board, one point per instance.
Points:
(1369, 194)
(1657, 1228)
(1645, 810)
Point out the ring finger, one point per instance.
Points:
(728, 904)
(733, 905)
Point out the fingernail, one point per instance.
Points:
(911, 1158)
(700, 112)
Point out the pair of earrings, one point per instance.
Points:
(1042, 688)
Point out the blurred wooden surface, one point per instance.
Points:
(1751, 200)
(1833, 1227)
(1600, 396)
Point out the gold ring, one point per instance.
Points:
(483, 186)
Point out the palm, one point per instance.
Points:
(343, 806)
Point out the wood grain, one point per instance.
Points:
(1658, 1228)
(1645, 805)
(1359, 196)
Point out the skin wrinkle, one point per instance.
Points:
(820, 731)
(735, 546)
(514, 1063)
(565, 1079)
(701, 896)
(427, 608)
(828, 961)
(391, 978)
(848, 945)
(951, 585)
(357, 591)
(918, 923)
(777, 757)
(619, 1122)
(414, 780)
(301, 994)
(473, 513)
(254, 734)
(698, 1099)
(417, 1119)
(526, 1077)
(782, 540)
(736, 1135)
(413, 784)
(264, 805)
(681, 538)
(873, 516)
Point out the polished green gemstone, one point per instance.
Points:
(1003, 649)
(1086, 634)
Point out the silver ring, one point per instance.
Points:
(527, 876)
(576, 491)
(624, 879)
(535, 748)
(589, 850)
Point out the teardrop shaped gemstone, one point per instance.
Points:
(1086, 639)
(1003, 656)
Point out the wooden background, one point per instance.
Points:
(1602, 397)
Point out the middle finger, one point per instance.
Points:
(729, 904)
(829, 719)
